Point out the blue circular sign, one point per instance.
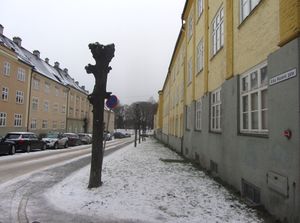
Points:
(112, 102)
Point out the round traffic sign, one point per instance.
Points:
(112, 102)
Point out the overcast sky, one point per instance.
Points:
(144, 33)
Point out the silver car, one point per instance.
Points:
(56, 140)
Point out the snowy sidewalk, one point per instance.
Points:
(140, 187)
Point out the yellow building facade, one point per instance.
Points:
(240, 103)
(39, 97)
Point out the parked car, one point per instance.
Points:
(85, 138)
(7, 147)
(25, 141)
(73, 139)
(119, 135)
(56, 140)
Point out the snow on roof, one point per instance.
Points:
(40, 66)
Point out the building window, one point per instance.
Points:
(215, 110)
(56, 91)
(36, 84)
(46, 106)
(200, 7)
(198, 114)
(65, 94)
(54, 124)
(76, 113)
(218, 31)
(247, 6)
(45, 124)
(200, 56)
(6, 68)
(19, 97)
(47, 88)
(190, 71)
(3, 119)
(18, 120)
(33, 124)
(188, 117)
(191, 25)
(55, 107)
(63, 109)
(62, 125)
(253, 98)
(71, 111)
(21, 74)
(35, 104)
(4, 94)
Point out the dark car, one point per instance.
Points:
(7, 147)
(25, 141)
(73, 139)
(119, 135)
(85, 138)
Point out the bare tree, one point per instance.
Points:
(102, 55)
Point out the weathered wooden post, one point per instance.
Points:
(102, 55)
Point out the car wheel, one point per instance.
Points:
(66, 145)
(56, 145)
(28, 148)
(44, 147)
(12, 150)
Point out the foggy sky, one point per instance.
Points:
(144, 33)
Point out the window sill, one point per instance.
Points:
(199, 72)
(218, 51)
(219, 132)
(198, 130)
(254, 134)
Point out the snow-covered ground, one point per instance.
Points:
(140, 187)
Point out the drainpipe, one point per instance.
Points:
(29, 99)
(67, 109)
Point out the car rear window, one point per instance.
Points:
(12, 136)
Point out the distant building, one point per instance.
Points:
(38, 97)
(230, 100)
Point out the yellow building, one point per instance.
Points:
(14, 81)
(241, 102)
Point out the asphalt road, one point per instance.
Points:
(25, 177)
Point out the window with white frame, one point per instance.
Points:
(200, 7)
(71, 111)
(215, 110)
(65, 94)
(56, 91)
(6, 68)
(200, 56)
(62, 125)
(4, 95)
(190, 27)
(19, 97)
(188, 117)
(63, 109)
(247, 6)
(46, 106)
(190, 71)
(198, 118)
(36, 84)
(47, 87)
(33, 124)
(55, 107)
(3, 116)
(54, 124)
(253, 100)
(35, 104)
(21, 74)
(18, 120)
(218, 31)
(45, 124)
